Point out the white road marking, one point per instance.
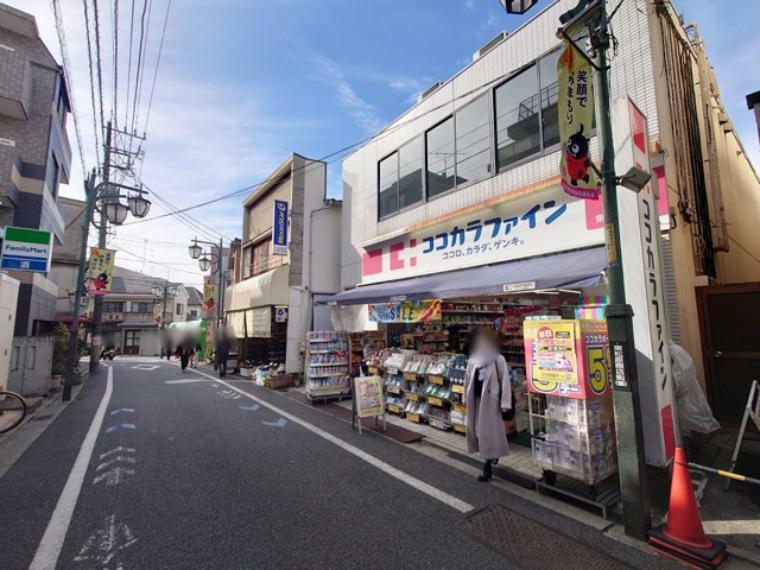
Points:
(49, 549)
(450, 500)
(129, 410)
(106, 543)
(145, 366)
(117, 450)
(732, 527)
(186, 381)
(113, 476)
(115, 460)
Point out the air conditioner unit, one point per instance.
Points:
(500, 37)
(429, 91)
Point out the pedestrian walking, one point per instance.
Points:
(183, 353)
(488, 397)
(222, 352)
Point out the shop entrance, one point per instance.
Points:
(132, 343)
(729, 317)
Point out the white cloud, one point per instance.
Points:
(364, 113)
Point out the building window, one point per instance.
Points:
(411, 157)
(260, 257)
(54, 174)
(193, 314)
(142, 308)
(180, 308)
(441, 158)
(388, 185)
(113, 307)
(518, 132)
(473, 143)
(547, 76)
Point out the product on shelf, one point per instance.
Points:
(327, 364)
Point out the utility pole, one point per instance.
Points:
(73, 352)
(97, 314)
(220, 293)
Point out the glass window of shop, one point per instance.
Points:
(518, 133)
(473, 142)
(388, 185)
(547, 76)
(411, 159)
(441, 158)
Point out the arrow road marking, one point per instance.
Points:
(229, 394)
(144, 367)
(117, 450)
(115, 460)
(421, 486)
(113, 476)
(106, 543)
(129, 410)
(251, 408)
(125, 426)
(279, 423)
(49, 548)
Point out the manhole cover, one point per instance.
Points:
(532, 545)
(41, 418)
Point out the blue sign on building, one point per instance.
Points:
(280, 227)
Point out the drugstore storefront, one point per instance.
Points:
(532, 269)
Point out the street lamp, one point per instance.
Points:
(517, 6)
(138, 205)
(204, 263)
(116, 212)
(195, 250)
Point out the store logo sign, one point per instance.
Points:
(519, 286)
(280, 227)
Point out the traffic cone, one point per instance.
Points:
(683, 536)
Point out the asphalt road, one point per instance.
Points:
(197, 475)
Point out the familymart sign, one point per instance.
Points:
(26, 250)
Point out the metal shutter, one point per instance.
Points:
(671, 296)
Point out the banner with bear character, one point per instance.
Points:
(100, 271)
(576, 118)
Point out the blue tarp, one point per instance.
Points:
(572, 269)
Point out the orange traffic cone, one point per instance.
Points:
(683, 536)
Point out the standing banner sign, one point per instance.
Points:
(369, 397)
(644, 284)
(100, 271)
(209, 292)
(26, 250)
(576, 116)
(280, 227)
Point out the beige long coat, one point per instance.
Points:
(485, 428)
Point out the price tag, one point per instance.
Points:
(393, 408)
(460, 428)
(461, 408)
(393, 371)
(433, 401)
(411, 376)
(393, 389)
(457, 389)
(413, 417)
(412, 396)
(435, 379)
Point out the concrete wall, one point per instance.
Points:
(31, 362)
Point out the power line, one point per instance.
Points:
(69, 84)
(100, 64)
(343, 151)
(139, 64)
(115, 62)
(92, 83)
(136, 118)
(129, 65)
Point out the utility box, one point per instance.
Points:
(8, 301)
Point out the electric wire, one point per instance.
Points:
(115, 110)
(139, 64)
(129, 63)
(136, 118)
(92, 83)
(67, 78)
(99, 60)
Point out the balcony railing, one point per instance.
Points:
(266, 264)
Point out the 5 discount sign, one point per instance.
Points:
(566, 357)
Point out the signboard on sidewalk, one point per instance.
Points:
(368, 395)
(26, 250)
(100, 271)
(644, 285)
(280, 227)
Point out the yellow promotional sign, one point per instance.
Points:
(100, 271)
(406, 311)
(576, 116)
(555, 358)
(209, 292)
(368, 395)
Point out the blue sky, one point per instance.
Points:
(243, 83)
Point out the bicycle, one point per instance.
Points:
(13, 410)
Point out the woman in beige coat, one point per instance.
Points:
(487, 395)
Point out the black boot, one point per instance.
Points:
(487, 472)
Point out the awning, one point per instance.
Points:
(197, 324)
(580, 268)
(253, 323)
(270, 288)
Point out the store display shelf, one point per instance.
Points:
(461, 428)
(332, 390)
(374, 370)
(436, 401)
(412, 376)
(436, 378)
(414, 396)
(468, 322)
(412, 417)
(465, 311)
(393, 389)
(395, 409)
(342, 363)
(331, 375)
(323, 351)
(457, 389)
(439, 424)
